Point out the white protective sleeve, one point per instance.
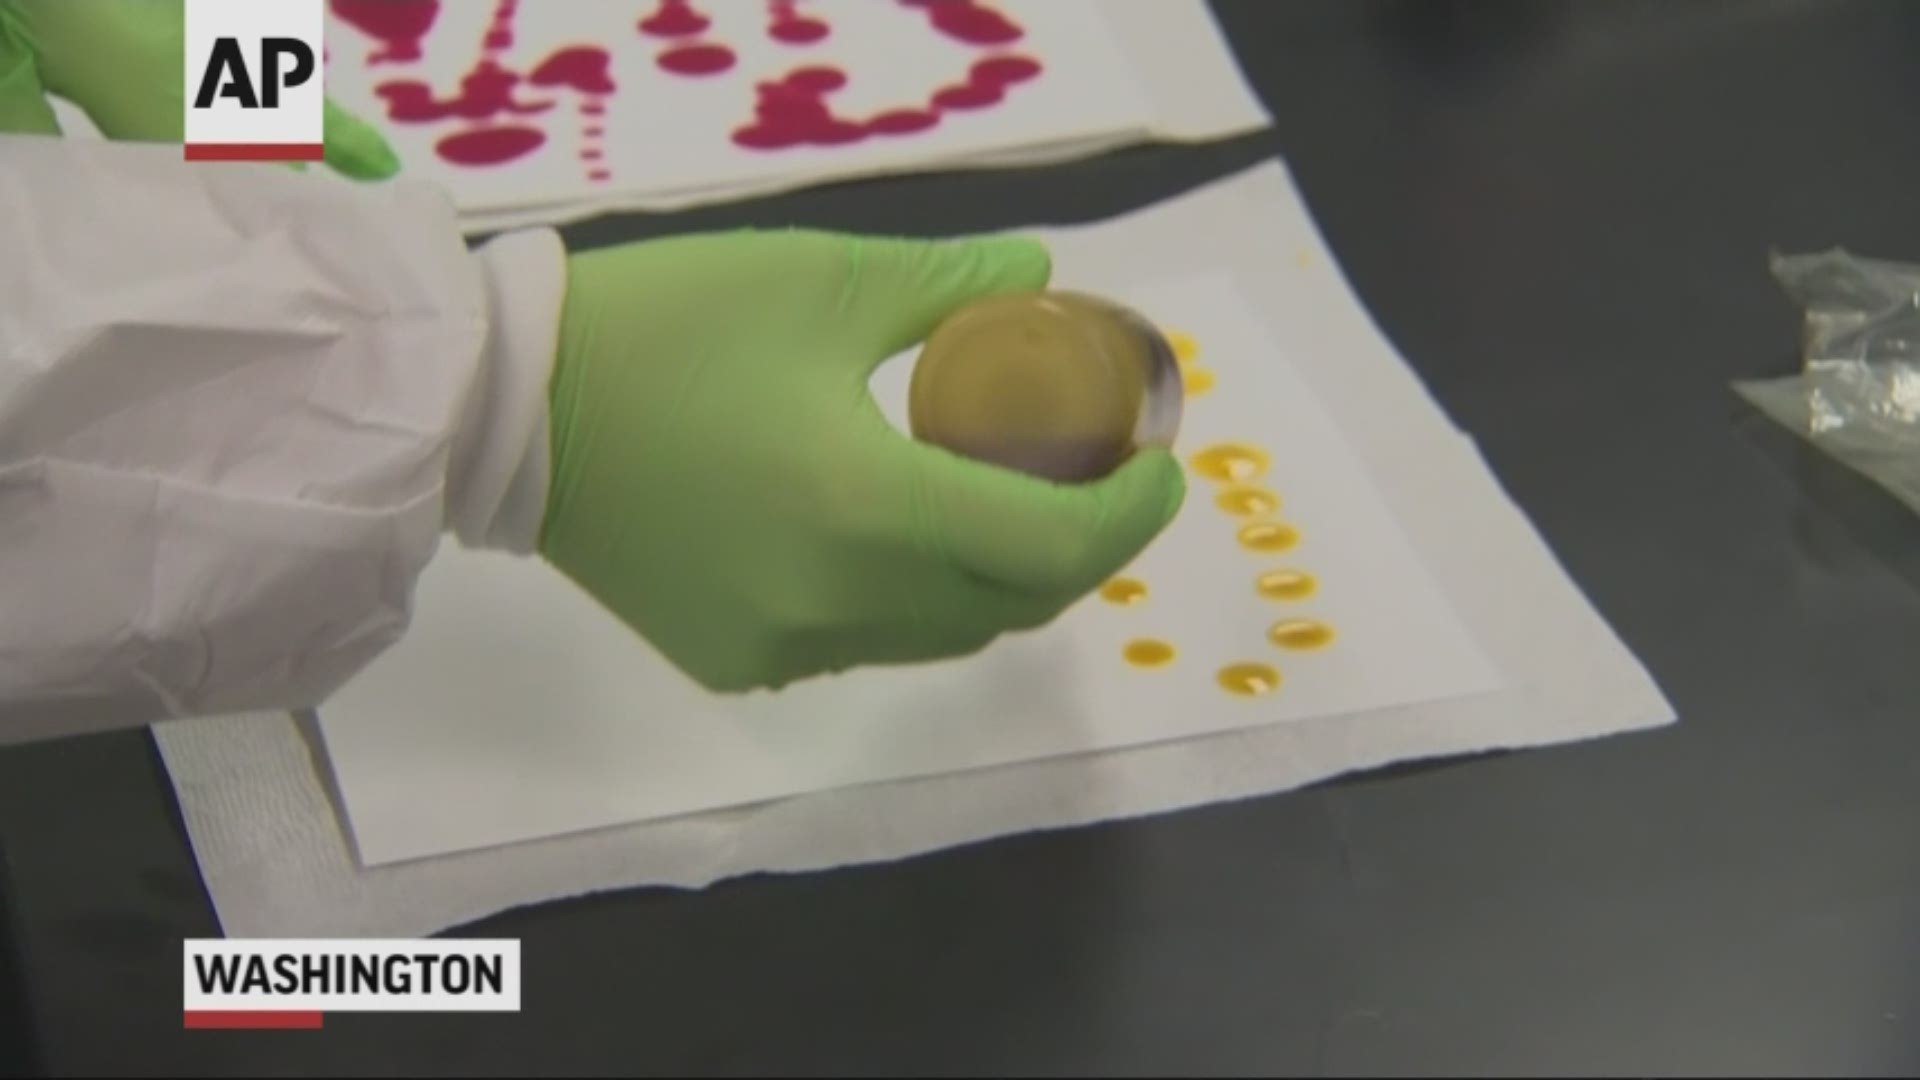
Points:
(239, 406)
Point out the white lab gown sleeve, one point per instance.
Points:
(241, 407)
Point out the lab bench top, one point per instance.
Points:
(1561, 213)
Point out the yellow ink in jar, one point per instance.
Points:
(1231, 463)
(1249, 680)
(1247, 501)
(1198, 380)
(1146, 652)
(1269, 536)
(1123, 591)
(1286, 585)
(1057, 384)
(1301, 634)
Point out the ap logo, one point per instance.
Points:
(254, 84)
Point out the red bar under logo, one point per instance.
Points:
(255, 151)
(253, 1019)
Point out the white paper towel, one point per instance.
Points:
(442, 718)
(277, 863)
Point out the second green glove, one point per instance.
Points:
(725, 484)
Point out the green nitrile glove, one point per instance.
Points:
(724, 482)
(23, 103)
(122, 62)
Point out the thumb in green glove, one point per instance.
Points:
(724, 482)
(122, 62)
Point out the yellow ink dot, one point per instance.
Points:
(1269, 536)
(1123, 591)
(1198, 380)
(1286, 585)
(1303, 257)
(1231, 463)
(1249, 680)
(1301, 634)
(1247, 501)
(1183, 346)
(1147, 652)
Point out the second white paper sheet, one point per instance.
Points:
(516, 708)
(260, 807)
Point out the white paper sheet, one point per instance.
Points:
(516, 708)
(1112, 72)
(277, 862)
(1183, 61)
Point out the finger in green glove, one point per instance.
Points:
(724, 482)
(23, 104)
(122, 62)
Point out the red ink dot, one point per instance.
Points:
(784, 101)
(902, 121)
(815, 80)
(409, 101)
(765, 137)
(600, 175)
(591, 153)
(593, 132)
(592, 108)
(490, 146)
(837, 133)
(582, 67)
(798, 31)
(486, 91)
(969, 21)
(696, 59)
(793, 110)
(970, 96)
(1004, 70)
(499, 39)
(673, 19)
(398, 24)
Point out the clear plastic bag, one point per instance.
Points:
(1857, 395)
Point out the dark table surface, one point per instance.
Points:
(1562, 215)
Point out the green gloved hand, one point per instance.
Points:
(724, 482)
(122, 62)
